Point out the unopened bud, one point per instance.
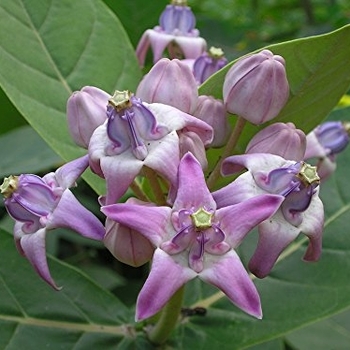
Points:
(86, 110)
(256, 87)
(282, 139)
(213, 112)
(170, 82)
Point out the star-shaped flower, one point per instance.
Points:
(139, 134)
(41, 204)
(194, 238)
(301, 211)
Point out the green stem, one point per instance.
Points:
(156, 187)
(135, 187)
(168, 318)
(228, 150)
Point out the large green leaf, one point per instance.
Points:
(332, 333)
(30, 155)
(34, 316)
(51, 48)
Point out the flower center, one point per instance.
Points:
(120, 100)
(198, 234)
(9, 186)
(179, 2)
(177, 19)
(131, 123)
(216, 52)
(201, 219)
(308, 175)
(297, 183)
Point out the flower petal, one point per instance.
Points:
(228, 274)
(193, 191)
(166, 277)
(69, 213)
(142, 48)
(190, 46)
(239, 219)
(242, 188)
(312, 227)
(68, 174)
(314, 147)
(159, 41)
(151, 222)
(119, 171)
(164, 158)
(274, 236)
(175, 119)
(33, 246)
(253, 162)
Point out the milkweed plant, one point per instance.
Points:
(221, 177)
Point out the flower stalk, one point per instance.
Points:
(228, 150)
(155, 185)
(168, 318)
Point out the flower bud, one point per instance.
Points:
(213, 112)
(281, 139)
(256, 87)
(177, 18)
(208, 63)
(127, 245)
(86, 110)
(189, 141)
(158, 85)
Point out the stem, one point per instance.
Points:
(168, 319)
(230, 146)
(154, 183)
(138, 192)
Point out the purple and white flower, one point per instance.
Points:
(176, 32)
(139, 134)
(194, 238)
(324, 143)
(301, 210)
(41, 204)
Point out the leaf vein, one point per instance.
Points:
(47, 53)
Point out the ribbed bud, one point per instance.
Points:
(282, 139)
(213, 112)
(256, 87)
(86, 110)
(170, 82)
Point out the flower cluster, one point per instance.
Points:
(157, 137)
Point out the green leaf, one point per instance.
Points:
(8, 111)
(33, 316)
(49, 49)
(23, 151)
(332, 333)
(318, 74)
(134, 20)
